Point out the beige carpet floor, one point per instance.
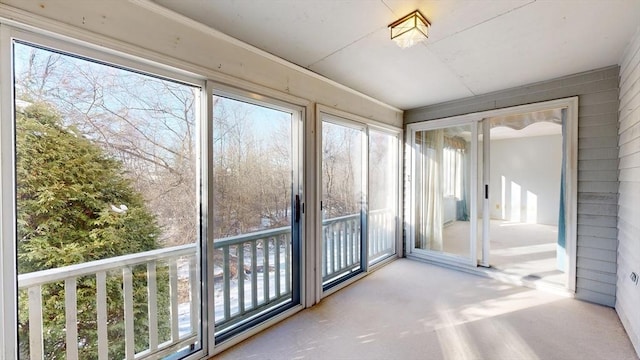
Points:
(527, 251)
(413, 310)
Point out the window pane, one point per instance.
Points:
(383, 195)
(254, 191)
(342, 194)
(107, 209)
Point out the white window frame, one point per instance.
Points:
(8, 265)
(74, 40)
(445, 258)
(298, 111)
(266, 97)
(358, 122)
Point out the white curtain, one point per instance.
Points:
(463, 211)
(456, 173)
(429, 188)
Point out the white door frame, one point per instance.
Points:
(571, 179)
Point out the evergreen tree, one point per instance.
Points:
(74, 205)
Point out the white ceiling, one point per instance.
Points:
(475, 46)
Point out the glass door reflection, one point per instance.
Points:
(443, 182)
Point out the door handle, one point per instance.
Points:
(486, 191)
(297, 207)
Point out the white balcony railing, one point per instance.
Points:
(341, 242)
(381, 234)
(252, 273)
(170, 257)
(252, 276)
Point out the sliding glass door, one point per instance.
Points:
(383, 195)
(107, 209)
(492, 189)
(257, 211)
(343, 199)
(444, 187)
(359, 195)
(524, 227)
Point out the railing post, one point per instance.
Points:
(337, 247)
(71, 317)
(226, 275)
(194, 300)
(36, 344)
(276, 263)
(373, 232)
(152, 296)
(241, 277)
(287, 257)
(127, 280)
(325, 255)
(254, 272)
(173, 293)
(346, 242)
(101, 310)
(265, 269)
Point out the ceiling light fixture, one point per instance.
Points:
(410, 30)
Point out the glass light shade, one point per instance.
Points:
(410, 30)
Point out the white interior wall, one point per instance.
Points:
(531, 169)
